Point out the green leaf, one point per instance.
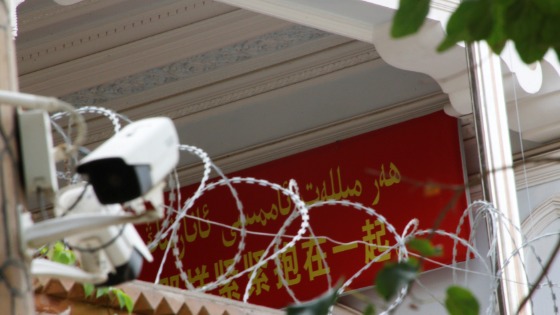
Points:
(124, 300)
(532, 25)
(457, 27)
(88, 289)
(549, 31)
(497, 39)
(62, 255)
(524, 22)
(476, 20)
(66, 258)
(530, 51)
(548, 6)
(447, 43)
(503, 3)
(394, 276)
(481, 21)
(319, 306)
(409, 17)
(59, 246)
(44, 251)
(370, 310)
(460, 301)
(424, 247)
(101, 292)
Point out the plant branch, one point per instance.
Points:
(543, 273)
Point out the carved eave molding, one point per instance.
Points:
(530, 90)
(147, 53)
(195, 97)
(55, 34)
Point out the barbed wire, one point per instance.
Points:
(478, 212)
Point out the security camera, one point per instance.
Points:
(109, 253)
(134, 160)
(117, 251)
(128, 169)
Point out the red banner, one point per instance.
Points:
(402, 172)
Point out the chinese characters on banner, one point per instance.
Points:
(384, 169)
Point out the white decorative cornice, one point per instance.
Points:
(530, 89)
(450, 69)
(539, 112)
(330, 16)
(148, 53)
(444, 5)
(417, 53)
(43, 15)
(272, 84)
(197, 65)
(532, 92)
(236, 86)
(52, 44)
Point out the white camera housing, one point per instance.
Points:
(109, 248)
(128, 168)
(134, 160)
(116, 251)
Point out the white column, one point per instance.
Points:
(489, 109)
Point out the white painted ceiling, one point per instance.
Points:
(243, 86)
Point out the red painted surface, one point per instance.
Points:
(392, 170)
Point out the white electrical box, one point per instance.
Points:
(37, 152)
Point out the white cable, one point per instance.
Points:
(50, 104)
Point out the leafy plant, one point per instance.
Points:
(319, 306)
(395, 276)
(390, 279)
(370, 310)
(125, 301)
(88, 289)
(532, 25)
(60, 253)
(424, 247)
(460, 301)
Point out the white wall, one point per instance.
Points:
(540, 207)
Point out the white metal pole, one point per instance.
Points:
(489, 108)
